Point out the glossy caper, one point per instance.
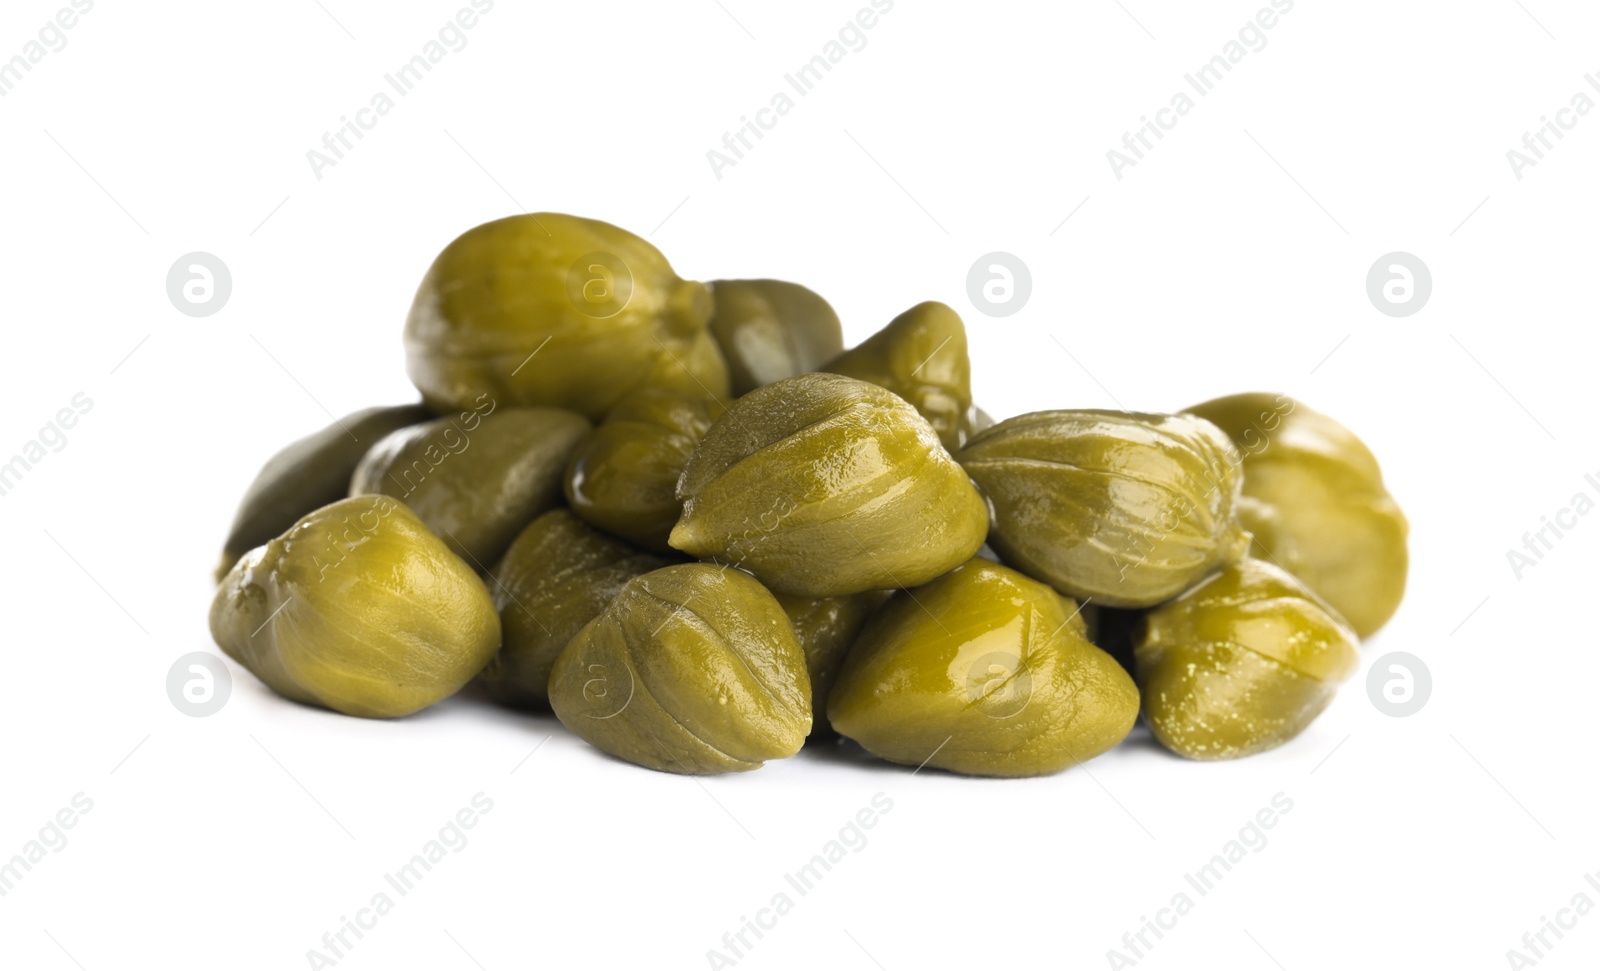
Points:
(551, 309)
(822, 486)
(1125, 509)
(624, 478)
(769, 330)
(921, 356)
(556, 577)
(985, 672)
(478, 477)
(358, 607)
(692, 669)
(1240, 664)
(1317, 504)
(308, 474)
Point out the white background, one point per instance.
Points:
(1233, 258)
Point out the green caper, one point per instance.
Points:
(825, 628)
(624, 479)
(550, 309)
(822, 486)
(1240, 664)
(556, 577)
(769, 330)
(358, 608)
(478, 477)
(985, 672)
(308, 474)
(921, 356)
(1317, 504)
(1125, 509)
(692, 669)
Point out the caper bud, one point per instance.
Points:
(550, 309)
(624, 479)
(1125, 509)
(1319, 507)
(556, 577)
(769, 330)
(822, 486)
(1240, 664)
(825, 628)
(358, 608)
(693, 669)
(307, 475)
(985, 672)
(478, 477)
(921, 356)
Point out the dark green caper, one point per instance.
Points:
(624, 479)
(769, 330)
(558, 575)
(307, 475)
(826, 627)
(478, 477)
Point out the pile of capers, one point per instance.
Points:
(685, 518)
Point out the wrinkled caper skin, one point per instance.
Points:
(478, 477)
(1127, 510)
(921, 356)
(984, 672)
(307, 475)
(358, 607)
(557, 576)
(1317, 504)
(824, 486)
(1241, 664)
(550, 309)
(825, 628)
(769, 330)
(624, 479)
(691, 669)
